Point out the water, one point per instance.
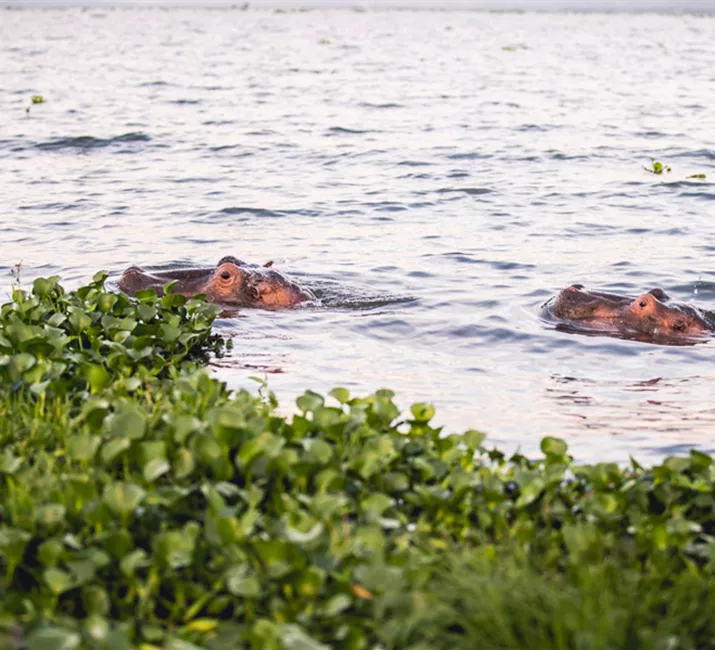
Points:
(436, 176)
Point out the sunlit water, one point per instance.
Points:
(435, 176)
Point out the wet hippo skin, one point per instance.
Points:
(652, 314)
(232, 283)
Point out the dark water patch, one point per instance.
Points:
(414, 163)
(184, 102)
(261, 132)
(53, 206)
(679, 449)
(218, 122)
(227, 147)
(538, 128)
(472, 155)
(553, 154)
(194, 179)
(88, 142)
(580, 226)
(256, 212)
(650, 134)
(700, 196)
(418, 177)
(458, 174)
(340, 130)
(473, 191)
(380, 106)
(386, 206)
(264, 212)
(707, 154)
(154, 84)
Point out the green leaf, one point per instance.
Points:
(96, 376)
(9, 463)
(50, 514)
(58, 580)
(341, 394)
(83, 447)
(137, 559)
(240, 581)
(106, 301)
(309, 401)
(123, 498)
(127, 424)
(474, 439)
(422, 412)
(336, 605)
(553, 446)
(113, 448)
(53, 638)
(155, 468)
(294, 637)
(377, 503)
(183, 463)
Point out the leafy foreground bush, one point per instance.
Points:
(157, 509)
(80, 342)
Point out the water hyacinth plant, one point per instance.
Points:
(35, 99)
(657, 167)
(144, 505)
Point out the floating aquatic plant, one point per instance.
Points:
(657, 167)
(35, 99)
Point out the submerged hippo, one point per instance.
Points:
(231, 283)
(650, 316)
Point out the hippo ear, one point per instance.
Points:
(659, 294)
(268, 264)
(230, 259)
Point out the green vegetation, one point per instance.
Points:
(656, 167)
(35, 99)
(144, 505)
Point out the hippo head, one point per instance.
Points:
(270, 289)
(236, 284)
(650, 314)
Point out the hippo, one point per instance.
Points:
(231, 283)
(650, 316)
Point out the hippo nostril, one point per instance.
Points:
(253, 293)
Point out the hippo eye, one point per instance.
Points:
(225, 275)
(643, 303)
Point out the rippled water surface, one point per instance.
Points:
(435, 176)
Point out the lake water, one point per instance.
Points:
(435, 176)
